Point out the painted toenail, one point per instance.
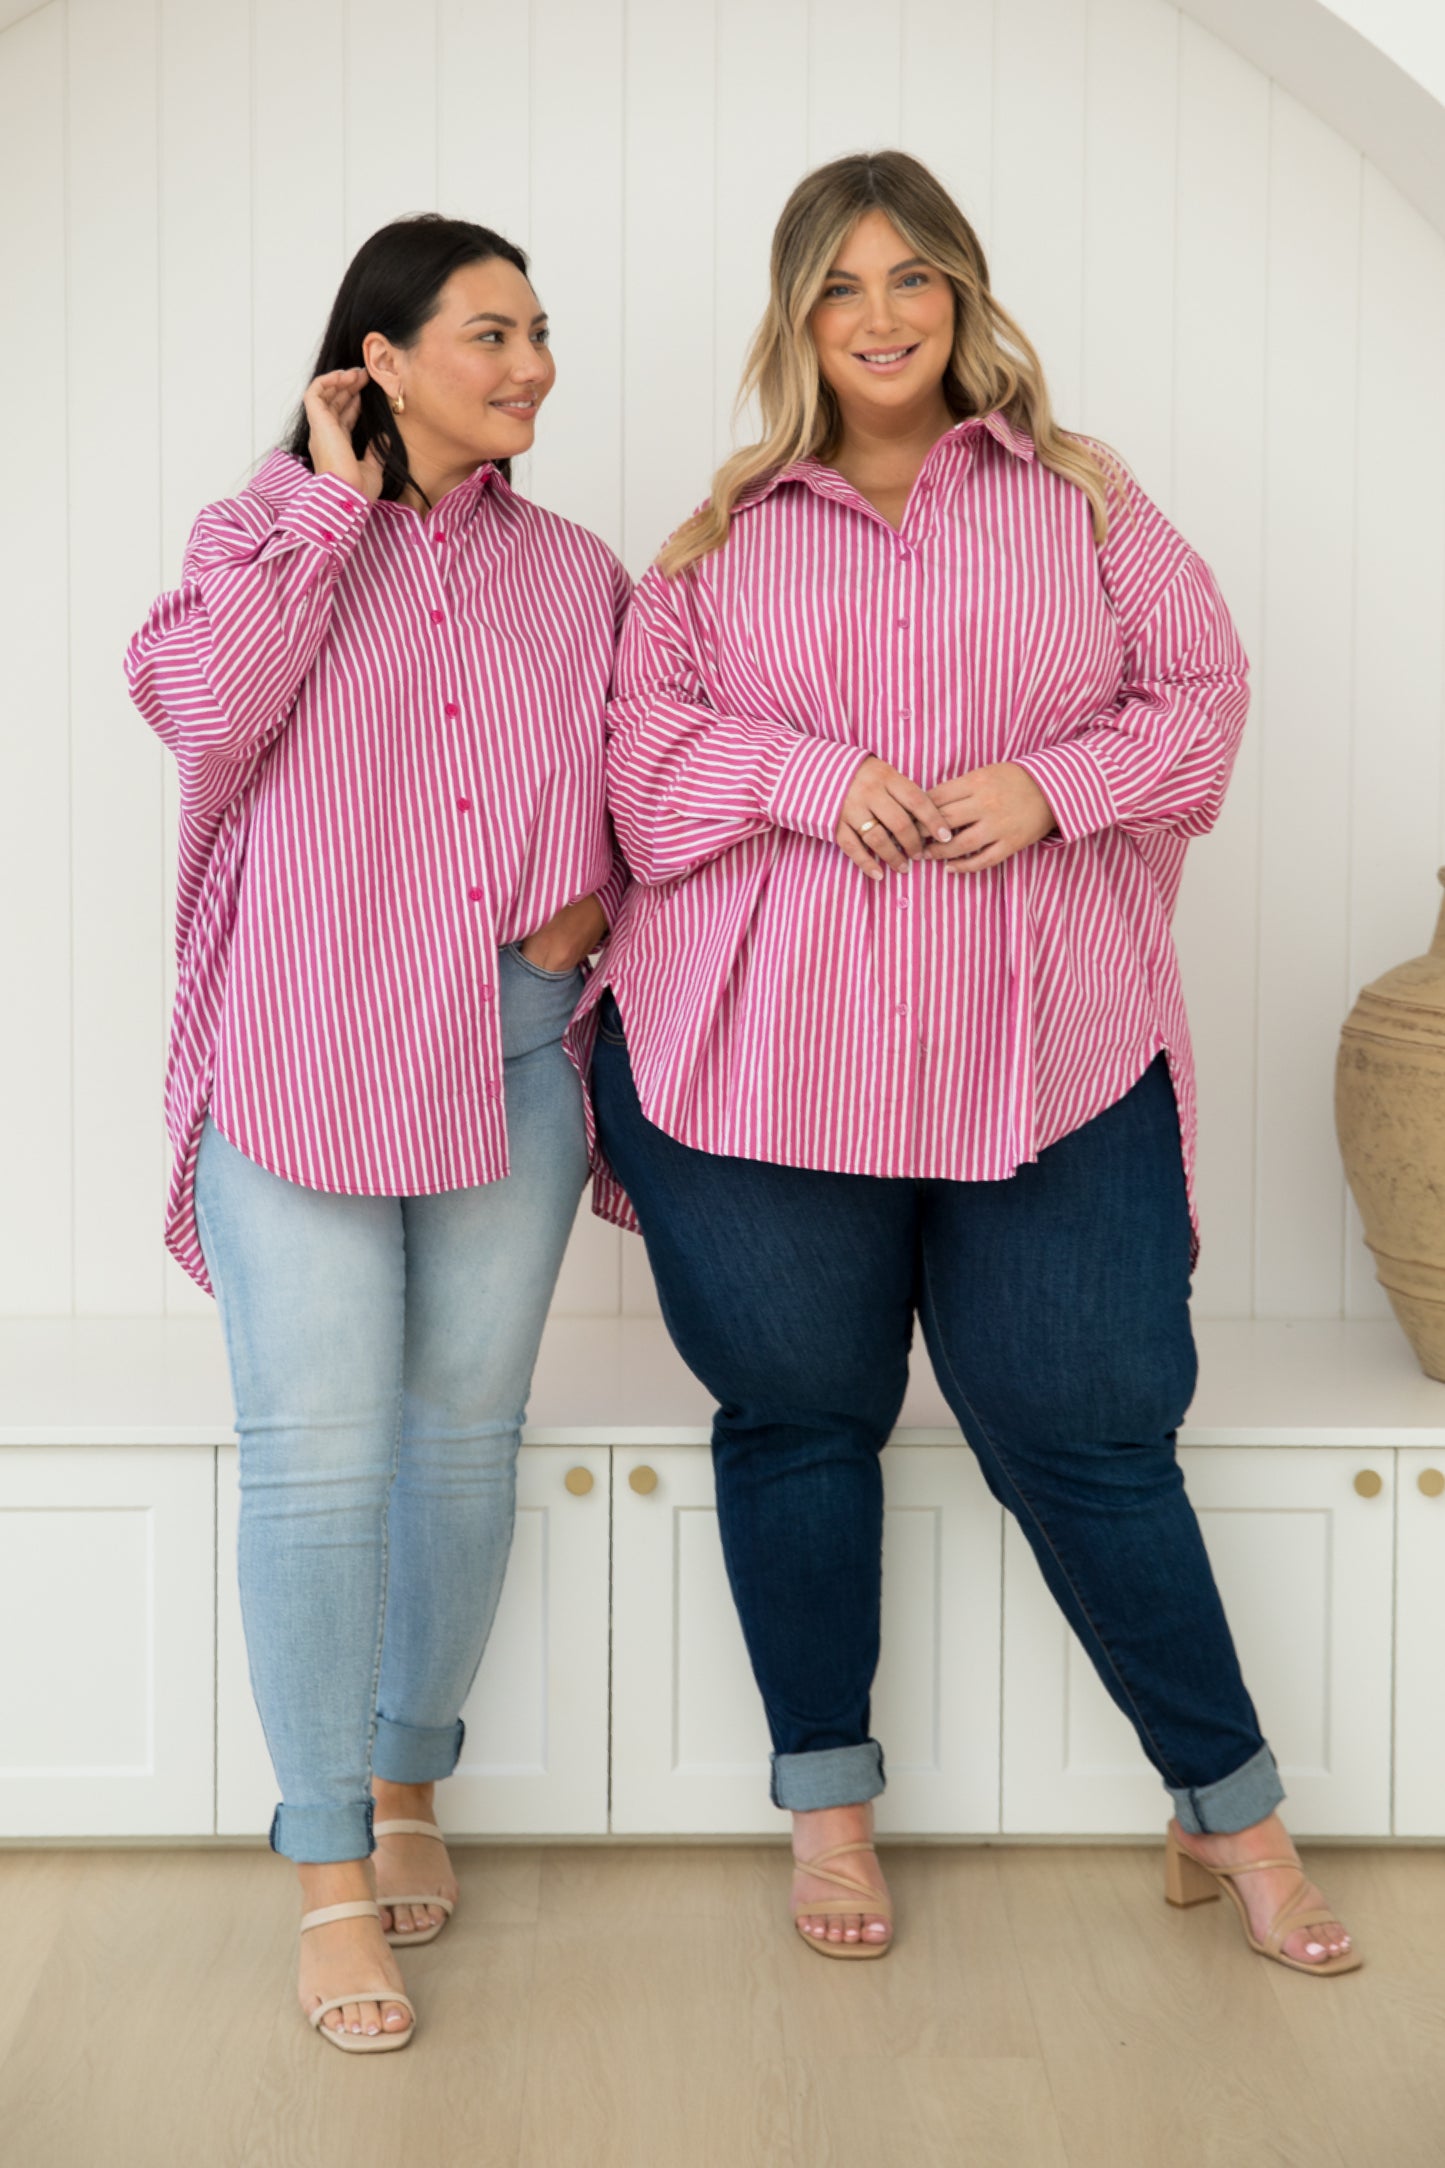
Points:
(1314, 1949)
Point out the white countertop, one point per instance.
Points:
(617, 1381)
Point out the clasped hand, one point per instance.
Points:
(972, 822)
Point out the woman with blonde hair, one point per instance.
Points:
(912, 723)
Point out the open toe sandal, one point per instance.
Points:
(377, 2043)
(1187, 1881)
(875, 1902)
(427, 1934)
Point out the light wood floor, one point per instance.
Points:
(648, 2008)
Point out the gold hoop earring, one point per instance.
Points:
(398, 404)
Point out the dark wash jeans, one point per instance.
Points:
(1055, 1307)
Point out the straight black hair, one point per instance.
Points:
(392, 285)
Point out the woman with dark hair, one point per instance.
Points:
(913, 722)
(383, 679)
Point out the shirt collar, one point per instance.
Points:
(281, 476)
(827, 481)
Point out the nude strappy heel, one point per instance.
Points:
(876, 1902)
(1187, 1881)
(427, 1934)
(375, 2043)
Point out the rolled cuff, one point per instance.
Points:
(812, 784)
(415, 1753)
(1234, 1802)
(315, 1836)
(834, 1776)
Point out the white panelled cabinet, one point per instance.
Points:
(616, 1695)
(1302, 1545)
(535, 1753)
(690, 1745)
(1420, 1645)
(106, 1595)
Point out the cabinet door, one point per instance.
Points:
(535, 1757)
(107, 1613)
(1304, 1563)
(689, 1742)
(1420, 1647)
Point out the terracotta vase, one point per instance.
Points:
(1390, 1114)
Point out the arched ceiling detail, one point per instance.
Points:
(1351, 82)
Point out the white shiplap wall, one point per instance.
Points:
(1219, 284)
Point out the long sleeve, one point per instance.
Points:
(687, 782)
(619, 878)
(1159, 757)
(389, 732)
(217, 665)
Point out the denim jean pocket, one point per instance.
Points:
(548, 978)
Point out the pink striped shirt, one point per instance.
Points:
(390, 740)
(780, 1005)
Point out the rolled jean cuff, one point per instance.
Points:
(415, 1753)
(313, 1835)
(1235, 1802)
(834, 1776)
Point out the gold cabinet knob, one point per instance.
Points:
(1432, 1482)
(643, 1480)
(579, 1481)
(1368, 1483)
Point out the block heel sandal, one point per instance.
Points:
(1187, 1881)
(876, 1902)
(377, 2043)
(428, 1934)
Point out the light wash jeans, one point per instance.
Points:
(381, 1353)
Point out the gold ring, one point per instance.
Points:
(864, 826)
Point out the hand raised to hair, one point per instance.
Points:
(332, 405)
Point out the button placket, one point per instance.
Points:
(903, 933)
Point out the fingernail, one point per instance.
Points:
(945, 835)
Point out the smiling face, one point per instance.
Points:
(475, 376)
(883, 328)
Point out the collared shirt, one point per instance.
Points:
(778, 1003)
(390, 739)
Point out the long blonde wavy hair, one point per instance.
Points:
(993, 366)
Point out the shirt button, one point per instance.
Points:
(327, 535)
(902, 902)
(484, 993)
(451, 710)
(903, 624)
(437, 616)
(905, 715)
(494, 1091)
(903, 1008)
(475, 895)
(464, 805)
